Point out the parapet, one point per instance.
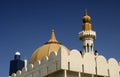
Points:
(74, 61)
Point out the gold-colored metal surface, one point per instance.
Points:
(51, 46)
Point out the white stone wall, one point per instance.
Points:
(86, 64)
(102, 65)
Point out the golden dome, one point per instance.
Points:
(51, 46)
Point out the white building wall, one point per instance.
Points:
(75, 61)
(75, 64)
(63, 55)
(113, 68)
(89, 63)
(100, 63)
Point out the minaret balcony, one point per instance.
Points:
(84, 34)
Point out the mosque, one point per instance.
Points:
(55, 60)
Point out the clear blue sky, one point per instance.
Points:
(26, 25)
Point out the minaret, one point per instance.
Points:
(16, 64)
(87, 35)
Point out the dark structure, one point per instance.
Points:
(16, 64)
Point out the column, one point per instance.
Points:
(92, 75)
(65, 73)
(79, 74)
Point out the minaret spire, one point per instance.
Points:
(87, 35)
(86, 12)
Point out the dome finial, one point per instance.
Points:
(53, 38)
(86, 12)
(53, 35)
(52, 30)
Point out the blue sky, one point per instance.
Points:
(26, 25)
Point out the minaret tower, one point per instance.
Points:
(16, 64)
(87, 35)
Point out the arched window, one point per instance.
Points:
(88, 48)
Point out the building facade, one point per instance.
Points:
(55, 60)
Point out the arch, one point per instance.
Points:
(24, 70)
(88, 48)
(44, 59)
(37, 64)
(113, 67)
(112, 61)
(87, 45)
(100, 61)
(52, 56)
(75, 53)
(30, 67)
(18, 73)
(75, 61)
(13, 75)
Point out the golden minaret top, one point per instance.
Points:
(86, 22)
